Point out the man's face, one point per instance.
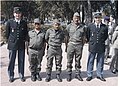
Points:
(106, 22)
(111, 18)
(17, 15)
(76, 19)
(37, 26)
(98, 19)
(56, 25)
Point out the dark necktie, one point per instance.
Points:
(97, 28)
(17, 22)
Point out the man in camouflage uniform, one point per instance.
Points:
(54, 37)
(36, 49)
(75, 32)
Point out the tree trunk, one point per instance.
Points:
(89, 13)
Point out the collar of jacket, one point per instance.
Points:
(35, 30)
(78, 26)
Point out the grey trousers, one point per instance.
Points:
(35, 59)
(114, 62)
(57, 53)
(74, 51)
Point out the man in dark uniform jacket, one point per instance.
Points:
(16, 34)
(97, 33)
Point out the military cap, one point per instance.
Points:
(56, 21)
(37, 20)
(17, 10)
(76, 14)
(98, 14)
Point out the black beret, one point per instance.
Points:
(107, 18)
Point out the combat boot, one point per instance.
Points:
(38, 77)
(48, 78)
(33, 77)
(77, 76)
(69, 77)
(58, 78)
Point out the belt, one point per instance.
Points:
(54, 46)
(74, 43)
(35, 49)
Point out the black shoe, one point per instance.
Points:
(38, 77)
(69, 77)
(22, 79)
(101, 78)
(89, 79)
(114, 71)
(48, 78)
(77, 76)
(11, 79)
(109, 56)
(58, 78)
(33, 77)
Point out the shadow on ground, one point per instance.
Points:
(107, 74)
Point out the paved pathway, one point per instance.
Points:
(112, 79)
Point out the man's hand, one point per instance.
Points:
(27, 44)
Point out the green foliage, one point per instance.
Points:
(53, 8)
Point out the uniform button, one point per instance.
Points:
(17, 38)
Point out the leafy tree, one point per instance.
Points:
(59, 8)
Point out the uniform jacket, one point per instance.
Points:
(16, 34)
(96, 37)
(36, 40)
(54, 38)
(76, 34)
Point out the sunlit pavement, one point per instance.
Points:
(111, 79)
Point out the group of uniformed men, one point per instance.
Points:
(74, 35)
